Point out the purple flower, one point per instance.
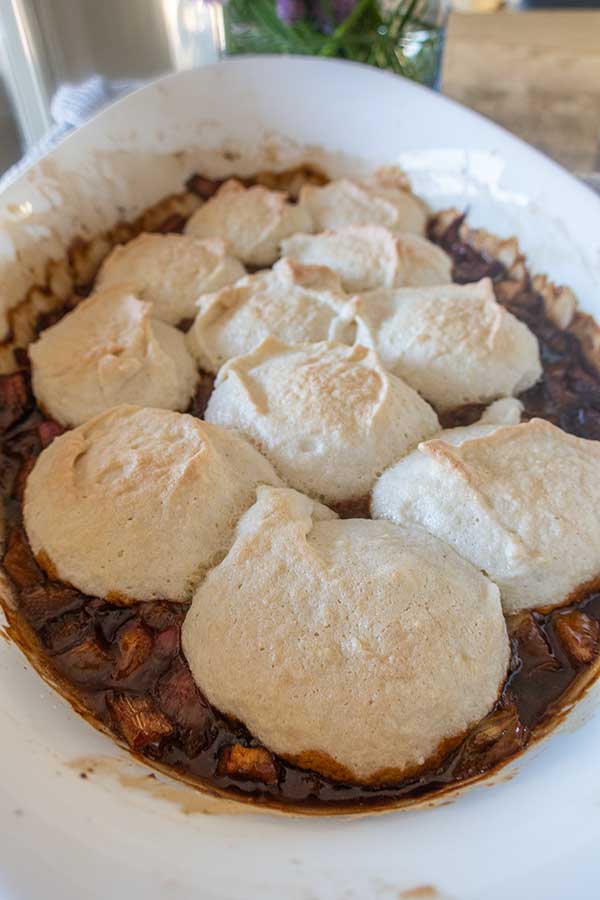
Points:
(342, 9)
(290, 11)
(323, 10)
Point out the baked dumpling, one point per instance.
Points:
(384, 198)
(520, 502)
(252, 220)
(329, 417)
(170, 271)
(355, 648)
(109, 350)
(367, 257)
(295, 302)
(137, 503)
(453, 343)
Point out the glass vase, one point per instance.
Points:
(405, 36)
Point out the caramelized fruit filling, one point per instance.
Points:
(125, 666)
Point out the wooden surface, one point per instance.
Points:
(536, 73)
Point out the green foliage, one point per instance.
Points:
(396, 41)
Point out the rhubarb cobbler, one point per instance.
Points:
(301, 488)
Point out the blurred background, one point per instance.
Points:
(534, 67)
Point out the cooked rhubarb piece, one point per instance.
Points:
(141, 655)
(167, 642)
(48, 430)
(8, 474)
(15, 399)
(247, 764)
(173, 223)
(67, 631)
(87, 664)
(203, 187)
(532, 643)
(22, 476)
(494, 739)
(160, 614)
(110, 618)
(469, 263)
(138, 719)
(24, 443)
(579, 634)
(43, 602)
(19, 562)
(181, 700)
(464, 415)
(206, 383)
(133, 648)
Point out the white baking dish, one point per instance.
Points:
(117, 831)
